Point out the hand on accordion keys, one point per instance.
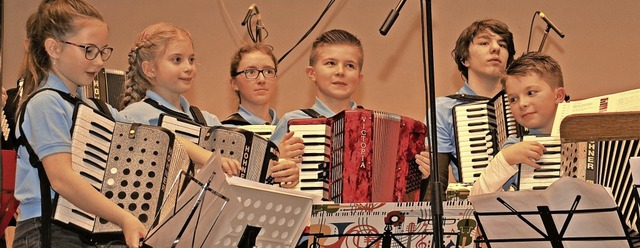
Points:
(291, 148)
(285, 172)
(525, 152)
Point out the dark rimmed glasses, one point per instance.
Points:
(253, 73)
(91, 51)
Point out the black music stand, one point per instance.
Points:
(219, 211)
(546, 226)
(201, 204)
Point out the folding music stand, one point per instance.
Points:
(201, 204)
(570, 213)
(220, 211)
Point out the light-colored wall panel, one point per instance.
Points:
(599, 55)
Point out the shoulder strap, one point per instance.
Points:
(468, 98)
(165, 109)
(45, 185)
(198, 117)
(102, 107)
(235, 119)
(312, 113)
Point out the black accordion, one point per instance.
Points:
(252, 151)
(481, 127)
(133, 165)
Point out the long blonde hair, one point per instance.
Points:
(150, 44)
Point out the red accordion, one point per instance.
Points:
(361, 156)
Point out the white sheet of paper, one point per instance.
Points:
(559, 196)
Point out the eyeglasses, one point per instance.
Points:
(252, 73)
(91, 51)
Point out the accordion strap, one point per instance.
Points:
(102, 107)
(312, 113)
(195, 111)
(468, 98)
(236, 119)
(34, 160)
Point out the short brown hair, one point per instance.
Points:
(336, 37)
(541, 64)
(461, 52)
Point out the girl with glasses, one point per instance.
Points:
(67, 49)
(254, 79)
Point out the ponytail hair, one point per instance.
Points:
(150, 44)
(54, 19)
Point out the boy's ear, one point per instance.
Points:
(148, 70)
(52, 47)
(233, 84)
(311, 72)
(560, 94)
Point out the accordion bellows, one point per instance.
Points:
(131, 164)
(369, 156)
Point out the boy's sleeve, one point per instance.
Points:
(494, 176)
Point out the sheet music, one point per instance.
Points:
(619, 102)
(559, 196)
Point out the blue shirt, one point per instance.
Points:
(444, 124)
(144, 113)
(256, 120)
(48, 119)
(319, 106)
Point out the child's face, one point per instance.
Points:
(175, 69)
(533, 102)
(69, 62)
(336, 72)
(257, 91)
(488, 55)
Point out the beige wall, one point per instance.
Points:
(599, 54)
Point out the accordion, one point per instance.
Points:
(252, 151)
(131, 164)
(108, 86)
(481, 128)
(361, 156)
(601, 155)
(549, 172)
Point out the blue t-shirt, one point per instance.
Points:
(319, 106)
(144, 113)
(48, 119)
(444, 124)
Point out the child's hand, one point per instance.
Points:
(291, 148)
(133, 231)
(230, 166)
(525, 152)
(285, 172)
(424, 161)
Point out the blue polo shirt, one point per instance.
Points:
(444, 124)
(48, 119)
(144, 113)
(256, 120)
(319, 106)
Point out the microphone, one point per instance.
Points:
(246, 17)
(544, 17)
(391, 18)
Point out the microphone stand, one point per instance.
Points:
(436, 190)
(544, 37)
